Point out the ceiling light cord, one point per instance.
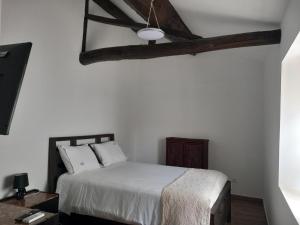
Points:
(151, 32)
(155, 16)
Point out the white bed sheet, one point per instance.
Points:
(127, 192)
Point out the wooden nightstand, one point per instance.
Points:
(9, 212)
(47, 202)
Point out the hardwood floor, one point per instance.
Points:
(247, 212)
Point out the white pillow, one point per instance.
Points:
(109, 153)
(78, 158)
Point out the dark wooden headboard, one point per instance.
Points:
(56, 166)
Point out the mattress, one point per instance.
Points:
(128, 192)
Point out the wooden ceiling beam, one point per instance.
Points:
(116, 12)
(181, 48)
(166, 14)
(178, 35)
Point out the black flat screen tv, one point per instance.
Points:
(13, 62)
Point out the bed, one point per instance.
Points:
(90, 197)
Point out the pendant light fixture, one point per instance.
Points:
(151, 33)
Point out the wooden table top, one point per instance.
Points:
(31, 199)
(8, 214)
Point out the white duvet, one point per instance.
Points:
(127, 192)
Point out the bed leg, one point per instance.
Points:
(212, 219)
(228, 203)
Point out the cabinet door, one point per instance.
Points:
(175, 154)
(194, 155)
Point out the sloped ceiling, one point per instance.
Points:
(208, 17)
(266, 11)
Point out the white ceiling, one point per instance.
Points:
(265, 11)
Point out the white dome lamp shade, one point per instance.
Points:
(151, 33)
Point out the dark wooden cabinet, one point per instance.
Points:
(47, 202)
(184, 152)
(11, 208)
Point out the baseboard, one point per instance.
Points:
(248, 199)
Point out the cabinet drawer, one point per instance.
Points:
(51, 221)
(48, 206)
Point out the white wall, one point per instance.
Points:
(216, 95)
(58, 96)
(277, 209)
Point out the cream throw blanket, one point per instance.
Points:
(189, 199)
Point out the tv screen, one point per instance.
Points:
(13, 61)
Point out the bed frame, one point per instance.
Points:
(220, 213)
